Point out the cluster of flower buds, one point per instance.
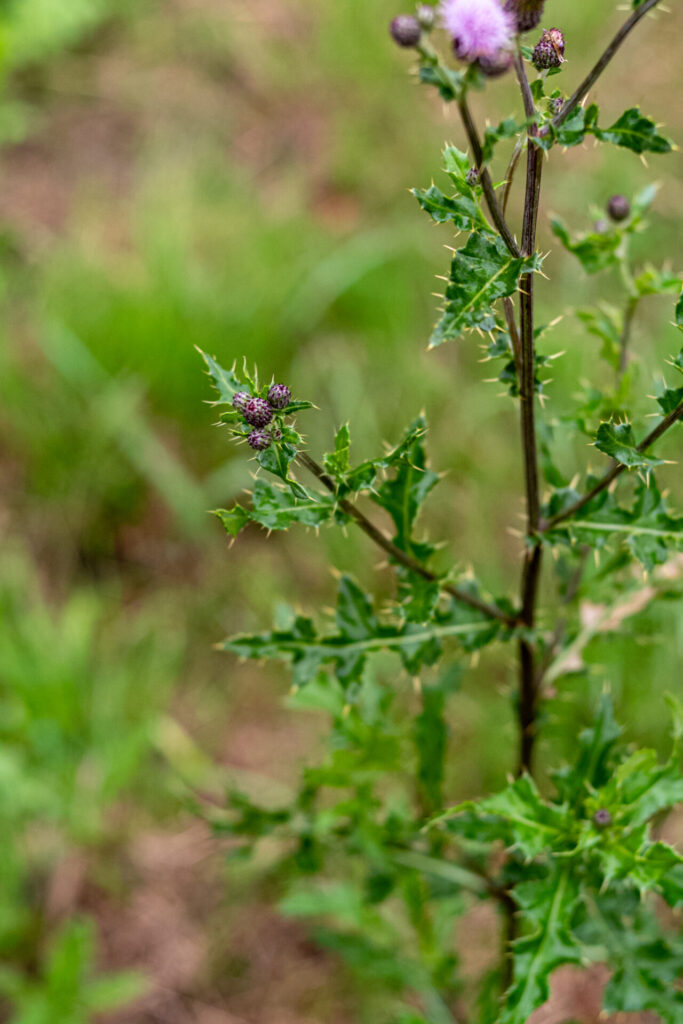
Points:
(259, 412)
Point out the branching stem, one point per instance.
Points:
(485, 178)
(376, 535)
(593, 75)
(616, 471)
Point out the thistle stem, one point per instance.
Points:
(533, 557)
(376, 535)
(629, 313)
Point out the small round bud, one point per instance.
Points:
(426, 16)
(472, 177)
(556, 104)
(257, 412)
(527, 13)
(492, 67)
(405, 30)
(276, 434)
(549, 51)
(601, 227)
(240, 399)
(619, 208)
(602, 818)
(259, 440)
(279, 396)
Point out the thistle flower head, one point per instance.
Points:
(479, 28)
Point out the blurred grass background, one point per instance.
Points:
(235, 176)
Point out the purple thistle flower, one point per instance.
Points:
(479, 28)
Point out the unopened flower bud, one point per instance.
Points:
(259, 440)
(619, 208)
(426, 16)
(556, 104)
(549, 51)
(527, 13)
(257, 412)
(492, 67)
(602, 818)
(405, 30)
(279, 396)
(601, 227)
(240, 399)
(472, 177)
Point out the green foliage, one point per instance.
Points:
(68, 988)
(569, 856)
(482, 271)
(360, 632)
(632, 130)
(647, 529)
(578, 862)
(617, 441)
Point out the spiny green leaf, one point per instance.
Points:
(338, 462)
(652, 281)
(636, 132)
(605, 323)
(648, 529)
(359, 634)
(518, 815)
(596, 745)
(277, 459)
(460, 210)
(363, 477)
(448, 81)
(431, 735)
(402, 497)
(631, 131)
(679, 313)
(547, 907)
(617, 440)
(225, 382)
(647, 965)
(595, 250)
(481, 272)
(277, 508)
(670, 399)
(507, 129)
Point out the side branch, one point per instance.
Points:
(593, 75)
(376, 535)
(485, 178)
(616, 471)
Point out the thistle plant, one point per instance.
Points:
(568, 854)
